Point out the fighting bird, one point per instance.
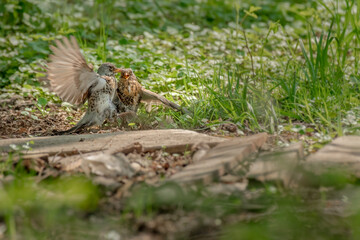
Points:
(74, 81)
(130, 93)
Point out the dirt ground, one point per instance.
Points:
(21, 118)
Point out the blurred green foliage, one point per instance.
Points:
(323, 206)
(35, 209)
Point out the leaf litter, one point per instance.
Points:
(121, 172)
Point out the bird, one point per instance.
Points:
(74, 81)
(130, 93)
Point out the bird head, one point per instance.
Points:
(108, 69)
(126, 73)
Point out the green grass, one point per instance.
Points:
(269, 66)
(240, 63)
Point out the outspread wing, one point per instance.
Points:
(69, 74)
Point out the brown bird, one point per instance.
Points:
(130, 93)
(74, 81)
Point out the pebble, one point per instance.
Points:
(136, 166)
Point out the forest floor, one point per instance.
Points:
(120, 160)
(264, 80)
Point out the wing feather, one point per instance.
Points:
(69, 74)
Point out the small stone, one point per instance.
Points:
(198, 155)
(109, 183)
(136, 166)
(228, 178)
(227, 189)
(200, 150)
(107, 165)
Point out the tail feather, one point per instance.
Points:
(87, 121)
(149, 96)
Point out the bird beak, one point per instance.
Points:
(117, 70)
(126, 76)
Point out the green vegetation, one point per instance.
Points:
(259, 67)
(275, 66)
